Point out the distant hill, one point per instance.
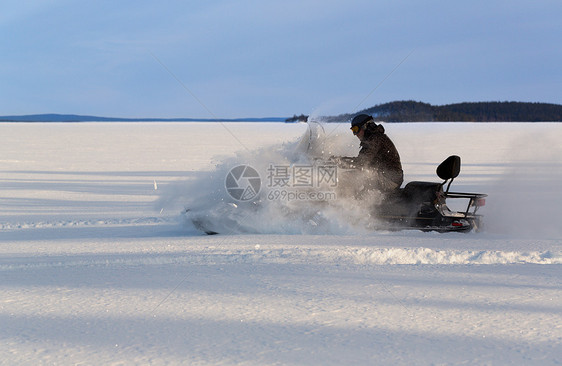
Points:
(80, 118)
(411, 111)
(398, 111)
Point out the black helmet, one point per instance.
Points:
(359, 121)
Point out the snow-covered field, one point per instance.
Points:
(97, 267)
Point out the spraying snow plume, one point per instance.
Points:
(286, 188)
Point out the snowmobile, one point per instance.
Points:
(423, 205)
(418, 205)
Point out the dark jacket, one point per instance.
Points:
(378, 154)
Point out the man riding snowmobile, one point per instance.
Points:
(374, 178)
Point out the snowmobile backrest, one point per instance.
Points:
(449, 168)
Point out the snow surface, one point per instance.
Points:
(98, 267)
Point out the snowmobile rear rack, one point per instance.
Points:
(476, 200)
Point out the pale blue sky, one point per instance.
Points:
(252, 58)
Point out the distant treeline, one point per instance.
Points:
(81, 118)
(295, 118)
(411, 111)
